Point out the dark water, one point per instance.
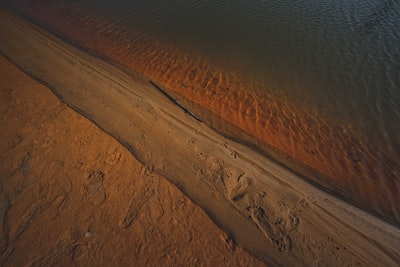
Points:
(318, 82)
(342, 55)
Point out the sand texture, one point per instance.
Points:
(72, 195)
(260, 205)
(328, 149)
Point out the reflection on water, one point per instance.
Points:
(315, 84)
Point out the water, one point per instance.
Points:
(314, 84)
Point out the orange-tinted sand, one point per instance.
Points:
(328, 152)
(262, 206)
(72, 195)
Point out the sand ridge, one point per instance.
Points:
(261, 206)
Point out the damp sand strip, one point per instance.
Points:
(262, 207)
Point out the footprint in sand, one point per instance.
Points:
(210, 169)
(4, 206)
(36, 208)
(275, 235)
(292, 222)
(26, 165)
(235, 183)
(240, 189)
(15, 140)
(233, 154)
(94, 189)
(135, 206)
(113, 158)
(79, 252)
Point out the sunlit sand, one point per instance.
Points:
(259, 205)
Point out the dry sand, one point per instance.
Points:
(260, 205)
(71, 194)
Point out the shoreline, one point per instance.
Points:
(265, 208)
(324, 151)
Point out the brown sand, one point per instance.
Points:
(330, 153)
(263, 207)
(71, 194)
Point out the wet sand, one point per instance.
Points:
(261, 206)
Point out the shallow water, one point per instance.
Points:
(315, 84)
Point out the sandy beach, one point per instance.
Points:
(72, 195)
(70, 192)
(326, 148)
